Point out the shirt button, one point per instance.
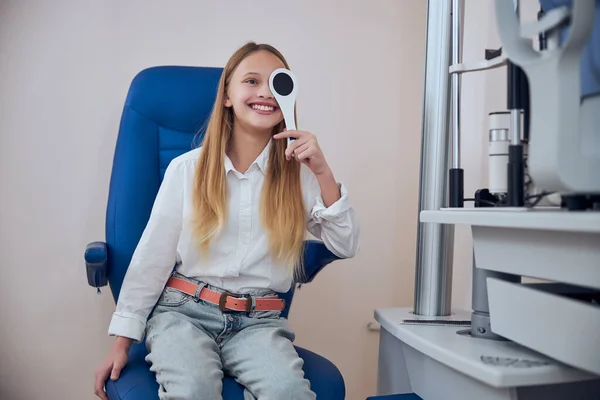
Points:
(246, 211)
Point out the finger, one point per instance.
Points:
(101, 377)
(301, 149)
(116, 370)
(282, 135)
(293, 146)
(101, 394)
(306, 154)
(287, 134)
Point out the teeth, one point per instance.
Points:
(262, 108)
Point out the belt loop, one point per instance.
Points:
(252, 298)
(201, 285)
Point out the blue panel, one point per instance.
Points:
(172, 143)
(590, 58)
(178, 98)
(134, 183)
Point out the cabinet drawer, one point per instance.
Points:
(560, 327)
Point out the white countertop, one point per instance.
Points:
(474, 357)
(521, 218)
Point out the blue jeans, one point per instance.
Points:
(192, 344)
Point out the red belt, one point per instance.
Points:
(225, 300)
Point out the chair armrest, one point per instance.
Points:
(96, 264)
(316, 256)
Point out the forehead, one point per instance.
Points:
(261, 62)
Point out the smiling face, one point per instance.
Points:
(248, 92)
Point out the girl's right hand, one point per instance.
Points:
(112, 365)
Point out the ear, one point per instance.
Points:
(227, 102)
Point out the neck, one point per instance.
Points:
(245, 146)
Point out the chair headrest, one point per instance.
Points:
(175, 97)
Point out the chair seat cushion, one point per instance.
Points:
(137, 382)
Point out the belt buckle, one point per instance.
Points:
(223, 301)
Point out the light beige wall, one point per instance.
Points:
(65, 67)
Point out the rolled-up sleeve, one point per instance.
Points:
(153, 259)
(336, 225)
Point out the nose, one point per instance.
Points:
(264, 92)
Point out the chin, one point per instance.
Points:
(263, 124)
(263, 128)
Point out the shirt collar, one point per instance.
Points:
(261, 161)
(228, 165)
(263, 158)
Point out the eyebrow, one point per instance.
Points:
(251, 73)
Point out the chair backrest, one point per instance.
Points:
(164, 116)
(164, 113)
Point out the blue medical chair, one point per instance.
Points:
(164, 114)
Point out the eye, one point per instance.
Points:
(251, 81)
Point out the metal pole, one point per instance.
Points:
(435, 242)
(515, 114)
(457, 7)
(456, 174)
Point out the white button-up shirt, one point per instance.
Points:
(238, 259)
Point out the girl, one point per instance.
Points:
(232, 216)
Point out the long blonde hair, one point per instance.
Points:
(282, 210)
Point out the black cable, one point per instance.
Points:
(535, 197)
(489, 203)
(538, 197)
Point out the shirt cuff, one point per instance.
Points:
(127, 325)
(320, 212)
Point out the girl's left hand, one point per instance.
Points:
(306, 149)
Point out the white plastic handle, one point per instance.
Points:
(284, 86)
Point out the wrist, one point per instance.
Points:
(123, 342)
(326, 180)
(330, 191)
(325, 174)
